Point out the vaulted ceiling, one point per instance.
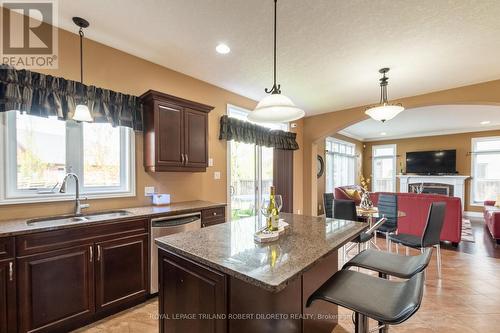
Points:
(329, 51)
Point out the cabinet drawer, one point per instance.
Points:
(210, 222)
(213, 213)
(59, 239)
(6, 247)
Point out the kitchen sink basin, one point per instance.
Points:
(71, 218)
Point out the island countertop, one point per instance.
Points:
(230, 248)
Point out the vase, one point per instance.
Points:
(366, 202)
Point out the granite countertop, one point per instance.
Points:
(230, 248)
(19, 226)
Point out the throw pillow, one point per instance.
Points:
(353, 194)
(497, 203)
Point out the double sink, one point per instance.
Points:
(74, 218)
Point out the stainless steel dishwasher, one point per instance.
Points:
(163, 226)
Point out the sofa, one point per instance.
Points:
(416, 208)
(492, 219)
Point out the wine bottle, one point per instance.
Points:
(272, 211)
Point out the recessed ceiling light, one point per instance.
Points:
(222, 48)
(383, 133)
(486, 122)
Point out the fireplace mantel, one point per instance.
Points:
(458, 183)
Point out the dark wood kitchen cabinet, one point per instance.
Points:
(121, 271)
(70, 277)
(175, 133)
(56, 289)
(7, 286)
(187, 288)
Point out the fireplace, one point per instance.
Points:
(431, 188)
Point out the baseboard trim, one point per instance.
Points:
(472, 214)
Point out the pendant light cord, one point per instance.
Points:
(80, 32)
(276, 88)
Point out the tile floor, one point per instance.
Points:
(465, 300)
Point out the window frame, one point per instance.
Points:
(10, 194)
(333, 140)
(474, 154)
(394, 147)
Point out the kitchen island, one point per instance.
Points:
(218, 279)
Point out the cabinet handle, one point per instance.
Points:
(91, 253)
(187, 158)
(182, 159)
(11, 271)
(98, 252)
(215, 213)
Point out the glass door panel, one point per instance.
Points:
(242, 187)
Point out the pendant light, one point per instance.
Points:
(275, 108)
(384, 110)
(82, 112)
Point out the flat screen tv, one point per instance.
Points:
(432, 162)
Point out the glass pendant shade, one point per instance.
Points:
(275, 108)
(384, 112)
(82, 113)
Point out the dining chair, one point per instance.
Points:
(431, 234)
(388, 207)
(328, 204)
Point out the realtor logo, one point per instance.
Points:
(29, 36)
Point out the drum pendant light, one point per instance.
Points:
(384, 110)
(275, 108)
(82, 112)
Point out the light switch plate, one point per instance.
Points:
(217, 175)
(149, 191)
(210, 162)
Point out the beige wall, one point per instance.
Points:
(461, 142)
(316, 128)
(321, 188)
(112, 69)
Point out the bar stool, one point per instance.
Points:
(388, 302)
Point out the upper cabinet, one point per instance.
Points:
(175, 133)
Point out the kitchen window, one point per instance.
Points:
(37, 152)
(485, 169)
(340, 163)
(384, 168)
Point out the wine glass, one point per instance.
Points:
(264, 209)
(278, 199)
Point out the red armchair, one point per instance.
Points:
(492, 219)
(416, 208)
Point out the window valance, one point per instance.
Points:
(45, 95)
(243, 131)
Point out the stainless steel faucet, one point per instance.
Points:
(78, 205)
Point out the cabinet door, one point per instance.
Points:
(7, 296)
(56, 289)
(196, 138)
(168, 128)
(121, 271)
(187, 288)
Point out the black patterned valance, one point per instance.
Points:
(45, 95)
(243, 131)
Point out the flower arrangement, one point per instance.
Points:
(364, 183)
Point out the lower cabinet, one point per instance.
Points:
(190, 289)
(56, 289)
(87, 274)
(121, 271)
(7, 296)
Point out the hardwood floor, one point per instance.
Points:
(465, 300)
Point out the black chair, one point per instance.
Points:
(430, 237)
(388, 302)
(346, 210)
(388, 207)
(328, 204)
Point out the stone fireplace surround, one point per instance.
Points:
(455, 183)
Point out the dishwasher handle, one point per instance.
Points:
(173, 222)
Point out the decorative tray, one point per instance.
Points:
(263, 236)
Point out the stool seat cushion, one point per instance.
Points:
(391, 264)
(407, 240)
(386, 301)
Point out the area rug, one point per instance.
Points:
(467, 235)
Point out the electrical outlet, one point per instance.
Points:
(210, 162)
(217, 175)
(149, 191)
(298, 211)
(320, 207)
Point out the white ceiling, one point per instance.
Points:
(329, 51)
(428, 121)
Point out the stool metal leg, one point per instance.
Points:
(361, 323)
(407, 250)
(387, 242)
